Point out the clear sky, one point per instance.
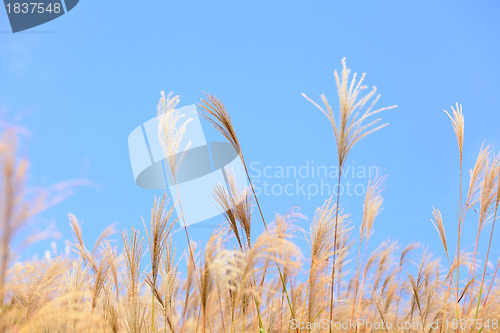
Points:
(85, 80)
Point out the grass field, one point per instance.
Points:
(242, 284)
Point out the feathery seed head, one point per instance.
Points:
(438, 224)
(458, 126)
(171, 130)
(489, 188)
(236, 206)
(216, 114)
(351, 127)
(372, 205)
(476, 175)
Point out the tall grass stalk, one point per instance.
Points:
(133, 250)
(171, 132)
(457, 120)
(160, 230)
(348, 130)
(487, 199)
(216, 114)
(497, 201)
(371, 208)
(16, 206)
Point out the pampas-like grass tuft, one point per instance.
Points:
(260, 283)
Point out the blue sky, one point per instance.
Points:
(87, 79)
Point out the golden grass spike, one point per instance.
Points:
(171, 131)
(216, 114)
(133, 247)
(438, 224)
(321, 247)
(476, 175)
(372, 205)
(160, 229)
(235, 205)
(457, 121)
(223, 199)
(489, 189)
